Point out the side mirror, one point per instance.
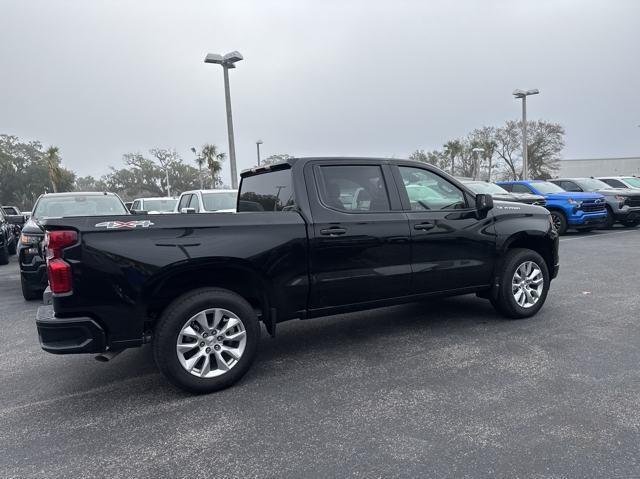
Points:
(188, 210)
(484, 203)
(138, 212)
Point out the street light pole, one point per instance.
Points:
(258, 143)
(477, 151)
(525, 154)
(227, 61)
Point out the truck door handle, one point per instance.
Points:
(335, 231)
(424, 226)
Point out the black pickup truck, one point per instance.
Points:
(312, 237)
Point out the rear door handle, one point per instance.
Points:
(424, 226)
(335, 231)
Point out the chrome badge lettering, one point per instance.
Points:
(110, 225)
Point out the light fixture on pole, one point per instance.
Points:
(227, 61)
(477, 151)
(521, 94)
(258, 143)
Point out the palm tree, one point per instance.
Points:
(214, 159)
(200, 161)
(453, 148)
(52, 158)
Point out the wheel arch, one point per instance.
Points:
(537, 241)
(234, 275)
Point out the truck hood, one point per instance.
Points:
(32, 227)
(619, 192)
(576, 196)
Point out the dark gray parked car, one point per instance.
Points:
(623, 205)
(499, 193)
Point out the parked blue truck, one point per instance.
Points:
(581, 211)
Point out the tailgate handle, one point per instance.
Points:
(335, 231)
(424, 226)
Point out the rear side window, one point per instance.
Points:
(356, 188)
(272, 191)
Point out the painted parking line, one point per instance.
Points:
(598, 235)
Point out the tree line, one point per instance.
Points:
(27, 169)
(498, 152)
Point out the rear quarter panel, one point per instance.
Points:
(114, 269)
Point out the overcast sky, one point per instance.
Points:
(381, 78)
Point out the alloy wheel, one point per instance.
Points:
(527, 284)
(211, 342)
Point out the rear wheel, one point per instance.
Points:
(13, 247)
(559, 221)
(206, 340)
(27, 292)
(524, 284)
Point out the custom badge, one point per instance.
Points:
(110, 225)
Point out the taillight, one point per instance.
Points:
(56, 241)
(59, 271)
(59, 276)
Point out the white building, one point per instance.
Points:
(599, 167)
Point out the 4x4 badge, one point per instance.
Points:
(110, 225)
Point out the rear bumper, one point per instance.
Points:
(69, 335)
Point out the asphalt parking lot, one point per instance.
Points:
(438, 389)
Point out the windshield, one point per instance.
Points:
(633, 181)
(482, 187)
(161, 204)
(591, 184)
(546, 187)
(223, 200)
(78, 205)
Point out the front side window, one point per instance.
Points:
(569, 186)
(615, 183)
(547, 188)
(269, 191)
(518, 188)
(353, 188)
(184, 201)
(428, 191)
(194, 203)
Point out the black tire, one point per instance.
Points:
(630, 224)
(505, 303)
(4, 255)
(559, 221)
(13, 247)
(610, 221)
(28, 293)
(174, 318)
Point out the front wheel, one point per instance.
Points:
(524, 284)
(610, 220)
(206, 340)
(630, 224)
(4, 255)
(559, 222)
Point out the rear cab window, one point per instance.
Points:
(269, 191)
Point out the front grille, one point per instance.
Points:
(592, 206)
(633, 201)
